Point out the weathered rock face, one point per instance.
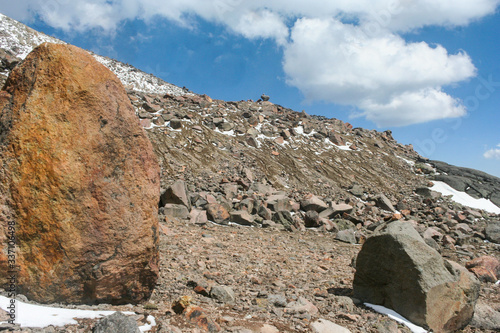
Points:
(79, 179)
(396, 269)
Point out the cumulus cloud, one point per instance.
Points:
(366, 64)
(394, 83)
(493, 153)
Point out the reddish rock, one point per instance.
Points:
(217, 213)
(197, 316)
(176, 194)
(486, 268)
(79, 179)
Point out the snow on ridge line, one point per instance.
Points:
(38, 316)
(21, 40)
(465, 199)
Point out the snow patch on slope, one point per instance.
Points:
(465, 199)
(31, 315)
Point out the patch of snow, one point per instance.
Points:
(228, 133)
(139, 80)
(151, 323)
(31, 315)
(346, 148)
(299, 130)
(411, 163)
(397, 317)
(465, 199)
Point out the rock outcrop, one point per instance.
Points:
(79, 180)
(476, 183)
(396, 269)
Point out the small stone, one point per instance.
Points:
(347, 236)
(181, 304)
(278, 300)
(326, 326)
(116, 323)
(223, 294)
(383, 202)
(196, 315)
(312, 219)
(268, 329)
(176, 124)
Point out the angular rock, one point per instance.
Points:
(84, 180)
(396, 269)
(242, 217)
(336, 209)
(326, 326)
(284, 218)
(486, 318)
(492, 232)
(357, 190)
(278, 202)
(198, 216)
(197, 316)
(176, 194)
(302, 305)
(382, 202)
(175, 211)
(486, 268)
(278, 300)
(312, 219)
(312, 202)
(346, 236)
(176, 124)
(217, 213)
(223, 294)
(116, 323)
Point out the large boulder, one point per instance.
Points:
(79, 181)
(396, 269)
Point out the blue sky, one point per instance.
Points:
(427, 70)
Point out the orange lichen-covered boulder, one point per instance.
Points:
(79, 181)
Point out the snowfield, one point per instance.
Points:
(465, 199)
(30, 315)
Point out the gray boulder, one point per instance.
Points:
(486, 318)
(493, 232)
(396, 269)
(116, 323)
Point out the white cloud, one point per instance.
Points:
(394, 83)
(493, 153)
(367, 65)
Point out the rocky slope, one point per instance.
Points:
(255, 163)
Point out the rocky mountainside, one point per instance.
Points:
(313, 188)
